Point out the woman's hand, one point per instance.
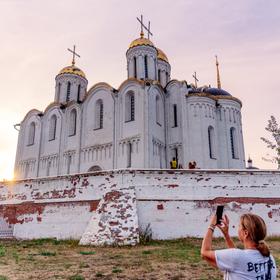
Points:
(213, 221)
(224, 226)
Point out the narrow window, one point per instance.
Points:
(79, 92)
(129, 107)
(129, 154)
(132, 105)
(175, 115)
(68, 91)
(158, 114)
(69, 161)
(135, 67)
(233, 143)
(99, 114)
(52, 129)
(58, 91)
(146, 66)
(49, 163)
(159, 75)
(73, 120)
(160, 156)
(166, 77)
(26, 171)
(31, 134)
(211, 141)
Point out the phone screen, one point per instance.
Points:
(219, 213)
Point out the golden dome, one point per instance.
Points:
(161, 55)
(72, 70)
(141, 42)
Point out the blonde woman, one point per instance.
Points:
(253, 262)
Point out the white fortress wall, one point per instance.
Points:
(113, 206)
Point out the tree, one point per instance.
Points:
(273, 144)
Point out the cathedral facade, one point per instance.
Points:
(146, 122)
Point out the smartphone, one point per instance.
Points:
(219, 213)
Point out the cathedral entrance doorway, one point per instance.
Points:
(95, 168)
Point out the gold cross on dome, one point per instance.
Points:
(143, 25)
(195, 79)
(74, 54)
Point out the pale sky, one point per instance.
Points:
(35, 35)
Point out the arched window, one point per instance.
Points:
(58, 91)
(175, 123)
(99, 114)
(158, 112)
(135, 67)
(52, 129)
(166, 73)
(146, 66)
(73, 122)
(68, 91)
(94, 168)
(31, 134)
(129, 107)
(79, 93)
(233, 143)
(211, 142)
(129, 154)
(159, 75)
(26, 170)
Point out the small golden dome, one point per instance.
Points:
(141, 42)
(72, 70)
(161, 55)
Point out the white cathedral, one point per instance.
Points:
(144, 123)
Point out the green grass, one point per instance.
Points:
(66, 259)
(48, 254)
(2, 251)
(87, 252)
(116, 270)
(76, 277)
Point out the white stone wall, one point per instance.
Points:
(175, 204)
(140, 52)
(61, 87)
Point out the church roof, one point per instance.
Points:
(161, 55)
(141, 42)
(212, 91)
(216, 91)
(72, 69)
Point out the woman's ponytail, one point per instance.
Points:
(263, 248)
(256, 228)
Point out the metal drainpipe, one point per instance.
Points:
(40, 145)
(165, 129)
(59, 149)
(114, 149)
(80, 142)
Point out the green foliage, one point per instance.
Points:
(47, 253)
(87, 252)
(274, 129)
(83, 265)
(76, 277)
(15, 256)
(99, 274)
(146, 252)
(145, 235)
(2, 277)
(2, 251)
(116, 270)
